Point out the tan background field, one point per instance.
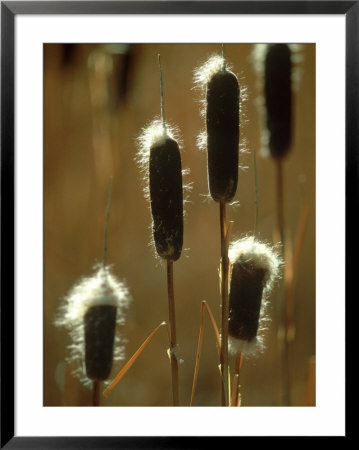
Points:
(96, 100)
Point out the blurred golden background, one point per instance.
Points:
(97, 98)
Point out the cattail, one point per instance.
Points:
(279, 71)
(160, 159)
(90, 312)
(222, 111)
(254, 268)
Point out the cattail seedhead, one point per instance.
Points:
(100, 325)
(278, 98)
(254, 268)
(222, 126)
(90, 312)
(160, 155)
(167, 198)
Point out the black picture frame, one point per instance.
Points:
(9, 10)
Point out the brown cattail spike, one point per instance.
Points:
(100, 326)
(278, 98)
(245, 300)
(91, 311)
(222, 118)
(166, 195)
(254, 268)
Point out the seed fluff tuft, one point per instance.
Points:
(255, 267)
(154, 134)
(222, 100)
(100, 289)
(204, 73)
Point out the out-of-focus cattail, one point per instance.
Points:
(278, 67)
(254, 268)
(90, 312)
(278, 98)
(222, 109)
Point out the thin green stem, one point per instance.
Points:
(104, 259)
(161, 93)
(224, 58)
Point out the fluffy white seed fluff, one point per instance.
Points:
(262, 256)
(204, 73)
(102, 288)
(154, 134)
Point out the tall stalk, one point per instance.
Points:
(278, 102)
(173, 334)
(160, 157)
(222, 144)
(96, 393)
(285, 350)
(225, 309)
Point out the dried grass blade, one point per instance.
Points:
(131, 361)
(204, 306)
